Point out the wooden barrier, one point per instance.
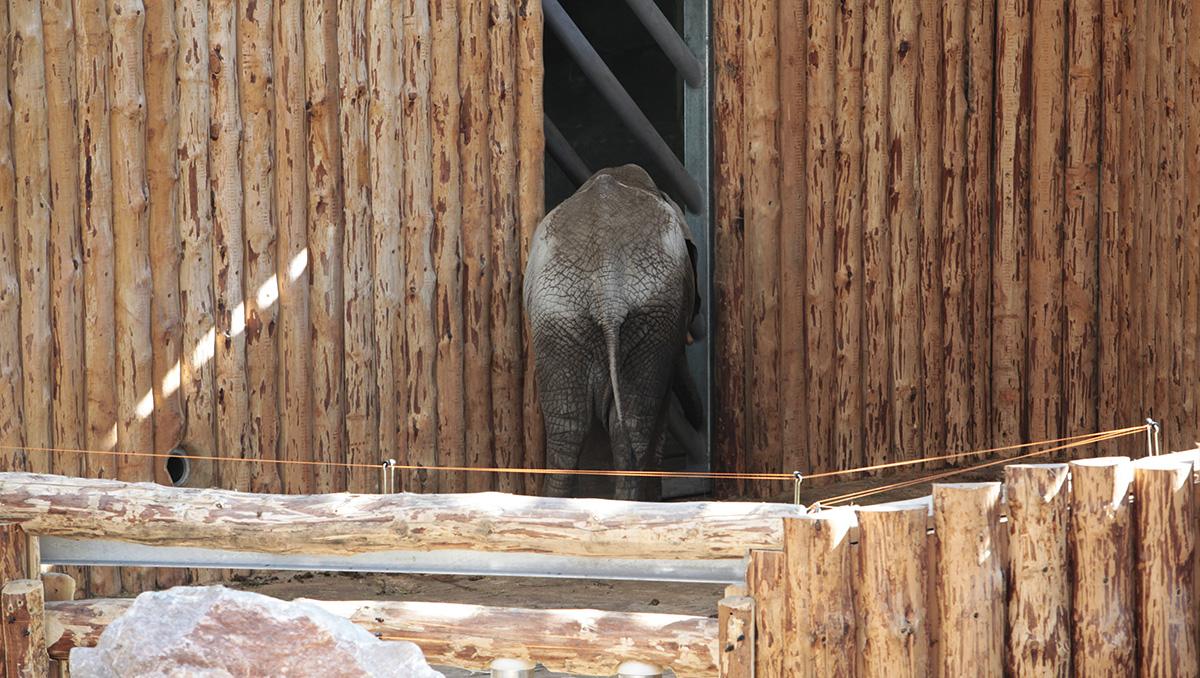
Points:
(23, 603)
(344, 524)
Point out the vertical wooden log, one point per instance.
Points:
(135, 391)
(930, 177)
(792, 54)
(1112, 271)
(383, 69)
(362, 396)
(24, 605)
(12, 428)
(1039, 602)
(225, 186)
(14, 553)
(420, 345)
(979, 184)
(821, 593)
(66, 302)
(956, 269)
(325, 233)
(1132, 180)
(476, 242)
(531, 203)
(1082, 237)
(877, 394)
(891, 599)
(1186, 335)
(1191, 106)
(905, 228)
(196, 232)
(507, 360)
(58, 586)
(1103, 635)
(970, 581)
(736, 637)
(448, 226)
(95, 193)
(1045, 222)
(1154, 216)
(1179, 430)
(1164, 516)
(822, 231)
(27, 87)
(1010, 270)
(256, 75)
(767, 580)
(760, 84)
(162, 176)
(292, 260)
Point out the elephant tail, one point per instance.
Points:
(612, 332)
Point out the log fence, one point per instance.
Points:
(1059, 569)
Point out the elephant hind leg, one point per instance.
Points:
(567, 426)
(635, 445)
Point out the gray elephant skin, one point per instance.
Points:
(610, 293)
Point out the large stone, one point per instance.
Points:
(215, 632)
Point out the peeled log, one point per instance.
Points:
(893, 553)
(820, 593)
(24, 635)
(344, 524)
(587, 642)
(736, 643)
(767, 577)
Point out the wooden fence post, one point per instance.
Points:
(736, 649)
(25, 654)
(892, 594)
(970, 582)
(768, 587)
(1164, 519)
(1039, 603)
(58, 587)
(1102, 551)
(14, 553)
(820, 595)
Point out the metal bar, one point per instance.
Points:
(602, 77)
(669, 40)
(563, 154)
(80, 552)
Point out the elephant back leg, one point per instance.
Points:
(566, 357)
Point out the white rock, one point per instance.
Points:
(215, 632)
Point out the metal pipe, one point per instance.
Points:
(612, 90)
(563, 154)
(512, 668)
(669, 41)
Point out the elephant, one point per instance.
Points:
(611, 299)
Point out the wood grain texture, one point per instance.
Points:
(24, 605)
(891, 602)
(132, 283)
(878, 411)
(261, 281)
(1010, 271)
(66, 275)
(970, 586)
(1047, 130)
(12, 397)
(476, 198)
(420, 344)
(820, 589)
(792, 54)
(760, 84)
(384, 26)
(1112, 275)
(1191, 106)
(1102, 586)
(1132, 155)
(444, 122)
(903, 218)
(358, 303)
(1164, 517)
(735, 619)
(1039, 596)
(507, 363)
(929, 181)
(326, 230)
(766, 578)
(956, 271)
(196, 232)
(31, 162)
(343, 523)
(292, 255)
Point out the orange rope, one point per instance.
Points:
(1095, 438)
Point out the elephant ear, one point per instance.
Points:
(693, 255)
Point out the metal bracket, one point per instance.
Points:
(1153, 437)
(799, 478)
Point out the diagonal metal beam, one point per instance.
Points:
(669, 41)
(602, 78)
(563, 154)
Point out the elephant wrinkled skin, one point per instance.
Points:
(610, 292)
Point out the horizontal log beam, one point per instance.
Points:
(145, 513)
(585, 642)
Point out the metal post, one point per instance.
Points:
(614, 93)
(632, 669)
(563, 154)
(513, 668)
(668, 39)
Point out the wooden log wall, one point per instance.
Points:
(267, 230)
(981, 228)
